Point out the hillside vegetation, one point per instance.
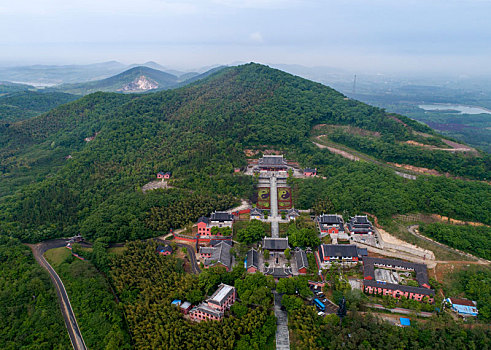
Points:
(199, 132)
(21, 105)
(30, 316)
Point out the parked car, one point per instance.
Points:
(324, 300)
(320, 313)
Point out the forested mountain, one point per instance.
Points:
(56, 183)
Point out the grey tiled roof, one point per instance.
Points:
(338, 250)
(301, 259)
(221, 254)
(252, 259)
(204, 219)
(275, 243)
(330, 219)
(221, 216)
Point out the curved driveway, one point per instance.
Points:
(66, 308)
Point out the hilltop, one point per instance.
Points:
(55, 183)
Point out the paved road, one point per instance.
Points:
(282, 335)
(66, 308)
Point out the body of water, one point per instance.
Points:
(460, 108)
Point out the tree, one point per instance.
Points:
(266, 254)
(291, 302)
(303, 237)
(287, 253)
(252, 233)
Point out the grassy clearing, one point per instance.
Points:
(57, 256)
(116, 250)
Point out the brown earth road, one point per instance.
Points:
(412, 230)
(66, 308)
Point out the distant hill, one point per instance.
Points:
(79, 168)
(137, 79)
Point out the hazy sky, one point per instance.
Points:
(371, 35)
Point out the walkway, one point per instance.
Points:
(275, 230)
(282, 335)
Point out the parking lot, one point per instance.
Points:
(331, 308)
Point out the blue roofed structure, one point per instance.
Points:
(463, 307)
(405, 322)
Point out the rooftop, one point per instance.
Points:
(205, 308)
(301, 259)
(220, 254)
(272, 161)
(223, 291)
(252, 259)
(420, 269)
(275, 243)
(221, 216)
(330, 219)
(338, 250)
(465, 302)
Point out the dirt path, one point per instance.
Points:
(413, 229)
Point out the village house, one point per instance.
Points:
(463, 307)
(360, 225)
(214, 307)
(164, 250)
(251, 262)
(330, 224)
(372, 285)
(309, 172)
(339, 253)
(272, 163)
(216, 219)
(256, 214)
(301, 260)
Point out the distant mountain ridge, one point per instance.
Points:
(50, 75)
(137, 79)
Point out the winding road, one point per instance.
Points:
(413, 230)
(66, 308)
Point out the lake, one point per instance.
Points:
(460, 108)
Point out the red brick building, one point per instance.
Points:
(214, 307)
(372, 285)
